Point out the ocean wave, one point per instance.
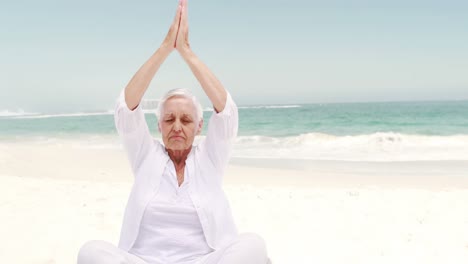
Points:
(79, 114)
(269, 106)
(19, 112)
(385, 146)
(380, 147)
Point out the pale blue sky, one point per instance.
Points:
(61, 56)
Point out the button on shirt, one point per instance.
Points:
(151, 202)
(170, 231)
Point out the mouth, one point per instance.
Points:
(177, 138)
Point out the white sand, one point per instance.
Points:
(54, 198)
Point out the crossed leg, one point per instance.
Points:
(248, 248)
(102, 252)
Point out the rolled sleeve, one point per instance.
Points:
(222, 130)
(133, 131)
(127, 121)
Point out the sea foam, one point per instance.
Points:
(19, 112)
(380, 147)
(79, 114)
(386, 146)
(269, 106)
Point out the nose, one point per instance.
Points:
(177, 126)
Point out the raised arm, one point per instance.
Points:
(210, 84)
(138, 85)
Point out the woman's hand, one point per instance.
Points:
(182, 40)
(138, 85)
(210, 84)
(169, 42)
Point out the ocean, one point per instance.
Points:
(386, 131)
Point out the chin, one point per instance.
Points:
(177, 147)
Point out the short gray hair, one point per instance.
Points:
(180, 92)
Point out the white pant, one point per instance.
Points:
(248, 248)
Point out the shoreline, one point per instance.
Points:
(389, 174)
(68, 161)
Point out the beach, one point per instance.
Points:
(57, 195)
(351, 144)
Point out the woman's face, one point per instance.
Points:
(179, 123)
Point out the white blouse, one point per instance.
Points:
(170, 231)
(204, 167)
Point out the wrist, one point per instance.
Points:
(165, 49)
(186, 53)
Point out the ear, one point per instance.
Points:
(159, 126)
(200, 126)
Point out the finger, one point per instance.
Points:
(178, 12)
(176, 24)
(184, 18)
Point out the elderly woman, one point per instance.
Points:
(177, 211)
